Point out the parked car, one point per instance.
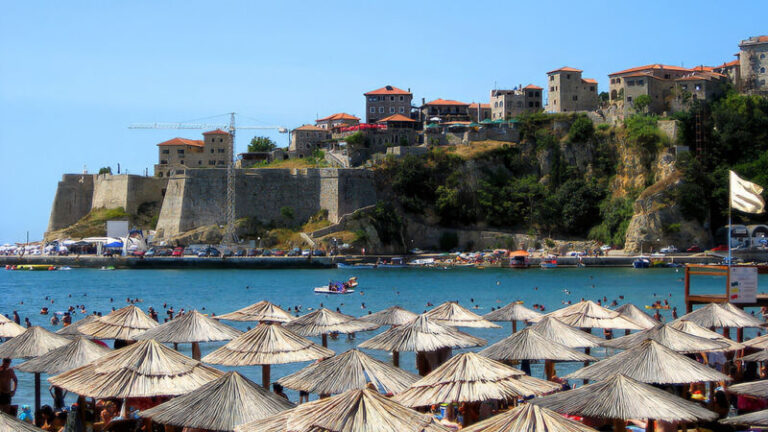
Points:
(266, 252)
(138, 253)
(318, 252)
(228, 253)
(576, 253)
(720, 248)
(150, 253)
(177, 252)
(294, 252)
(306, 252)
(605, 248)
(209, 252)
(278, 252)
(240, 253)
(693, 248)
(668, 249)
(254, 252)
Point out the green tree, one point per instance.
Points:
(581, 130)
(105, 170)
(642, 102)
(261, 144)
(287, 212)
(357, 139)
(603, 97)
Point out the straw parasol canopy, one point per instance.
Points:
(9, 329)
(350, 370)
(144, 369)
(353, 411)
(421, 335)
(528, 418)
(121, 324)
(451, 314)
(220, 405)
(73, 330)
(622, 398)
(553, 329)
(261, 311)
(76, 353)
(760, 342)
(651, 363)
(638, 316)
(714, 315)
(588, 314)
(757, 418)
(759, 356)
(469, 377)
(188, 328)
(392, 316)
(12, 424)
(671, 338)
(512, 312)
(754, 388)
(697, 330)
(324, 321)
(33, 342)
(527, 344)
(730, 307)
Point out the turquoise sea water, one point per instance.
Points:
(221, 291)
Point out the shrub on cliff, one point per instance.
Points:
(582, 129)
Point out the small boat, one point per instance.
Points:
(657, 306)
(64, 268)
(335, 287)
(641, 263)
(105, 268)
(549, 263)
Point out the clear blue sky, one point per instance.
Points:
(75, 74)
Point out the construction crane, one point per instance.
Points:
(229, 231)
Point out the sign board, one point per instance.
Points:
(743, 285)
(117, 229)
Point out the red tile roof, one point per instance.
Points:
(649, 68)
(474, 105)
(446, 102)
(565, 69)
(589, 80)
(641, 75)
(388, 90)
(729, 64)
(338, 116)
(182, 142)
(532, 87)
(396, 118)
(216, 132)
(310, 128)
(701, 76)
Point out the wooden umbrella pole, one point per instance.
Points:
(396, 358)
(586, 351)
(619, 425)
(549, 369)
(649, 426)
(514, 326)
(740, 335)
(727, 332)
(37, 392)
(265, 372)
(196, 350)
(325, 340)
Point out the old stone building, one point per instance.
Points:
(178, 154)
(569, 92)
(753, 64)
(506, 104)
(386, 101)
(479, 112)
(701, 85)
(337, 120)
(445, 110)
(732, 70)
(306, 139)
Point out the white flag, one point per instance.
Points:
(745, 196)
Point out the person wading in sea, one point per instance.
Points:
(8, 384)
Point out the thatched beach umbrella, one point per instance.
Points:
(76, 353)
(351, 370)
(144, 369)
(265, 345)
(638, 316)
(391, 316)
(553, 329)
(715, 315)
(469, 377)
(697, 330)
(34, 342)
(451, 314)
(12, 424)
(324, 321)
(759, 356)
(512, 312)
(671, 338)
(622, 398)
(9, 329)
(755, 388)
(261, 311)
(426, 338)
(760, 342)
(122, 324)
(220, 405)
(528, 418)
(192, 327)
(757, 418)
(651, 363)
(353, 411)
(588, 314)
(73, 330)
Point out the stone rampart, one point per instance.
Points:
(72, 201)
(126, 191)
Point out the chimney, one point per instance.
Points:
(423, 101)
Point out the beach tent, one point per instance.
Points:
(528, 418)
(122, 324)
(670, 337)
(391, 316)
(261, 311)
(451, 314)
(192, 327)
(512, 312)
(323, 321)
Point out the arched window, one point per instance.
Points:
(762, 70)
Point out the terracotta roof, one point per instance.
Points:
(697, 76)
(396, 118)
(641, 75)
(565, 69)
(445, 102)
(532, 87)
(729, 64)
(388, 90)
(702, 68)
(589, 80)
(338, 116)
(474, 105)
(310, 128)
(182, 142)
(649, 68)
(216, 132)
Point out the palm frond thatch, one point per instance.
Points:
(324, 321)
(755, 388)
(121, 324)
(512, 312)
(190, 327)
(714, 315)
(34, 342)
(77, 353)
(697, 330)
(267, 344)
(8, 328)
(588, 314)
(760, 342)
(391, 316)
(261, 311)
(757, 418)
(421, 335)
(353, 411)
(73, 330)
(528, 418)
(12, 424)
(671, 338)
(651, 363)
(144, 369)
(638, 316)
(451, 314)
(622, 398)
(553, 329)
(350, 370)
(527, 344)
(759, 356)
(469, 377)
(742, 313)
(219, 405)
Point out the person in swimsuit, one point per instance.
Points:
(8, 384)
